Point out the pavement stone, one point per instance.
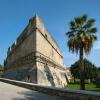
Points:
(12, 92)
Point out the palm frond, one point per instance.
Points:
(77, 21)
(73, 44)
(84, 18)
(93, 30)
(70, 34)
(81, 34)
(72, 24)
(90, 23)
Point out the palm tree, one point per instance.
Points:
(80, 40)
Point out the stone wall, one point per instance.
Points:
(51, 76)
(26, 47)
(36, 56)
(22, 73)
(47, 49)
(46, 44)
(1, 73)
(65, 93)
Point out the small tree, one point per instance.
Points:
(75, 70)
(97, 78)
(90, 70)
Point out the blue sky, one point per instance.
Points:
(56, 14)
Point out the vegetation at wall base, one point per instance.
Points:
(91, 71)
(88, 86)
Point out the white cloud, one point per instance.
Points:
(97, 45)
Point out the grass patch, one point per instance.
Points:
(89, 87)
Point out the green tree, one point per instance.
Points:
(75, 70)
(90, 70)
(80, 40)
(97, 78)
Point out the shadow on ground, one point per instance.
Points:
(33, 95)
(94, 90)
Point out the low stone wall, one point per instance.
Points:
(67, 93)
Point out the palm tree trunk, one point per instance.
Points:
(82, 83)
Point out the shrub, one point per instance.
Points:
(97, 82)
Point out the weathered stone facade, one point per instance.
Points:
(1, 72)
(35, 57)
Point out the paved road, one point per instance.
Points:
(11, 92)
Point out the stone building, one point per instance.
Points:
(35, 57)
(1, 72)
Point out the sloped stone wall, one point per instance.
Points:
(25, 73)
(67, 94)
(51, 76)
